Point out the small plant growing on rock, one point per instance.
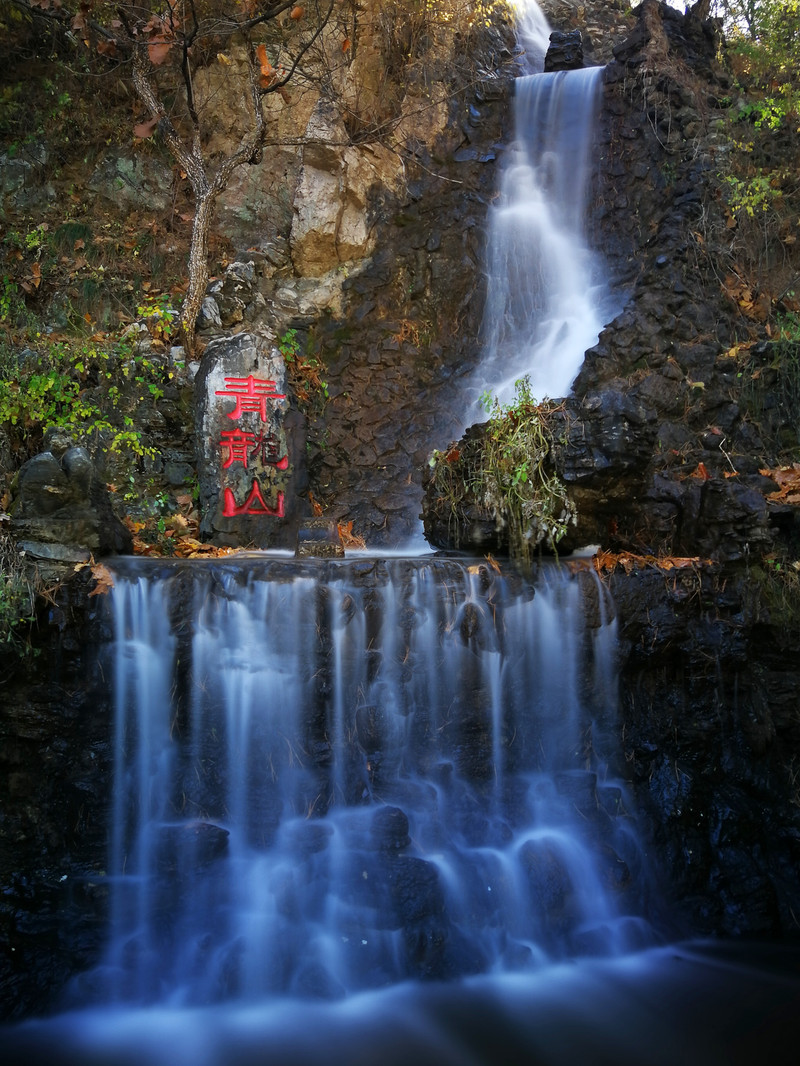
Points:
(304, 371)
(505, 473)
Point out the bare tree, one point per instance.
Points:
(161, 48)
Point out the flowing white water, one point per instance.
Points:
(533, 34)
(547, 297)
(381, 770)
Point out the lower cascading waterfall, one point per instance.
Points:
(337, 776)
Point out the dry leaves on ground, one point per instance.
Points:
(607, 562)
(787, 478)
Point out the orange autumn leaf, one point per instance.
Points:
(158, 48)
(490, 559)
(267, 69)
(348, 538)
(143, 130)
(607, 562)
(787, 478)
(104, 580)
(297, 12)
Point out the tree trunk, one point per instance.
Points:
(198, 267)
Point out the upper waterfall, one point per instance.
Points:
(533, 34)
(546, 298)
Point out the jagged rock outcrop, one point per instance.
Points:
(565, 51)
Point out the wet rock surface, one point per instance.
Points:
(565, 51)
(55, 749)
(710, 689)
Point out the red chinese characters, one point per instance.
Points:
(251, 450)
(237, 444)
(254, 504)
(251, 394)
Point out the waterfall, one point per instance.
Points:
(369, 812)
(533, 34)
(338, 776)
(547, 298)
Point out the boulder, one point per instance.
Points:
(250, 445)
(62, 511)
(565, 51)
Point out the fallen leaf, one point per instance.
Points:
(158, 49)
(606, 561)
(104, 580)
(143, 130)
(267, 69)
(348, 538)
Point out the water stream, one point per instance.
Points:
(355, 774)
(547, 292)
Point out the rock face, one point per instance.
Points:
(62, 511)
(331, 223)
(710, 689)
(55, 751)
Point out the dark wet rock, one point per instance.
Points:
(415, 890)
(565, 51)
(319, 537)
(62, 511)
(189, 847)
(390, 829)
